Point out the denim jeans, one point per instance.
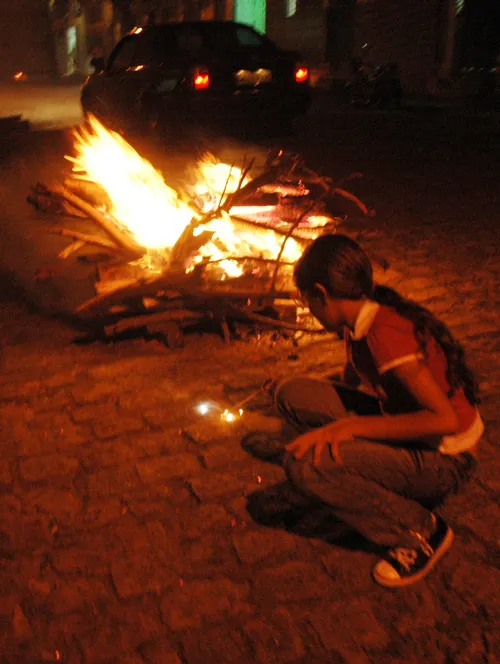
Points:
(382, 490)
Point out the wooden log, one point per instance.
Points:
(85, 238)
(91, 192)
(121, 239)
(152, 320)
(172, 284)
(275, 322)
(71, 248)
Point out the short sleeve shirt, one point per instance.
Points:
(388, 340)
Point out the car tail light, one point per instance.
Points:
(201, 79)
(301, 74)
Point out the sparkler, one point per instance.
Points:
(228, 414)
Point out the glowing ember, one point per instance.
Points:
(216, 180)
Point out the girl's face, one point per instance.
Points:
(327, 311)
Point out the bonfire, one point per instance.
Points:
(223, 244)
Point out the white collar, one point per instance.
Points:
(364, 319)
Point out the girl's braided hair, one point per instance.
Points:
(341, 266)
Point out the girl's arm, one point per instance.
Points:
(437, 416)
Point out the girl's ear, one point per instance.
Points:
(322, 293)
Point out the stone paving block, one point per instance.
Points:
(224, 455)
(21, 626)
(291, 581)
(44, 468)
(161, 653)
(189, 605)
(480, 590)
(349, 624)
(63, 379)
(209, 485)
(87, 392)
(484, 522)
(113, 481)
(212, 555)
(132, 537)
(79, 560)
(99, 513)
(59, 401)
(146, 399)
(163, 468)
(5, 473)
(94, 412)
(464, 643)
(107, 453)
(427, 294)
(50, 431)
(417, 608)
(254, 546)
(216, 645)
(169, 441)
(196, 520)
(62, 505)
(116, 425)
(126, 366)
(168, 417)
(349, 570)
(206, 431)
(20, 391)
(137, 575)
(275, 638)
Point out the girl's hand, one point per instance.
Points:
(331, 434)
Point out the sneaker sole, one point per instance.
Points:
(400, 583)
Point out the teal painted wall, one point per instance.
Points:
(251, 12)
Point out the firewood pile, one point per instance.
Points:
(247, 277)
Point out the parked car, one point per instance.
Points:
(197, 72)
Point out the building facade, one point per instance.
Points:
(428, 40)
(25, 39)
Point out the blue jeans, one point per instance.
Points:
(382, 490)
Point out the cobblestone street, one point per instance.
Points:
(135, 531)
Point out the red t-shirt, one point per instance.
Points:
(389, 342)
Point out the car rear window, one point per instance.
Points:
(195, 40)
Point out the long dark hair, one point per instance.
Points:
(344, 270)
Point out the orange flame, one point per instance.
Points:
(152, 212)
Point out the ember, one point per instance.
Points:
(223, 244)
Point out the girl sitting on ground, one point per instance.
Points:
(382, 473)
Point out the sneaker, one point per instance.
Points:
(403, 567)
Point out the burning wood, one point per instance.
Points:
(224, 244)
